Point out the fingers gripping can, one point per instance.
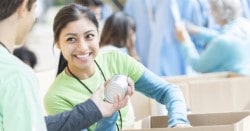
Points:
(117, 85)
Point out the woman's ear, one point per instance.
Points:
(22, 9)
(58, 45)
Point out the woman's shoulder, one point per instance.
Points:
(110, 48)
(59, 83)
(111, 53)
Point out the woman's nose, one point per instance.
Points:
(82, 45)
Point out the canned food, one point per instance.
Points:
(117, 85)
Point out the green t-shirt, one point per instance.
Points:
(20, 106)
(66, 91)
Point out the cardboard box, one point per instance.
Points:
(222, 95)
(201, 77)
(234, 121)
(215, 92)
(209, 93)
(141, 105)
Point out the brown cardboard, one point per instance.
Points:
(234, 121)
(222, 95)
(213, 92)
(141, 105)
(199, 77)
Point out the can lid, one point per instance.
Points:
(114, 87)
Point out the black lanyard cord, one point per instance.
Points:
(79, 80)
(91, 91)
(100, 70)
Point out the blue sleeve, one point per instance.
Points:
(165, 93)
(207, 34)
(107, 124)
(210, 59)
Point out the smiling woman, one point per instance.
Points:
(84, 69)
(76, 40)
(20, 107)
(79, 47)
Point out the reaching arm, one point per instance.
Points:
(82, 116)
(202, 32)
(154, 87)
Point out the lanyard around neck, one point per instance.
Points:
(91, 91)
(104, 78)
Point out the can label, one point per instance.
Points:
(117, 85)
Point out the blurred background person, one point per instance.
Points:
(119, 33)
(228, 48)
(42, 8)
(156, 43)
(26, 55)
(102, 11)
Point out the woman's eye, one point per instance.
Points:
(89, 36)
(71, 39)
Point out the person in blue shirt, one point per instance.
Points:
(228, 48)
(139, 11)
(102, 11)
(155, 41)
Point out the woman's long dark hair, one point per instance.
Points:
(62, 64)
(66, 15)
